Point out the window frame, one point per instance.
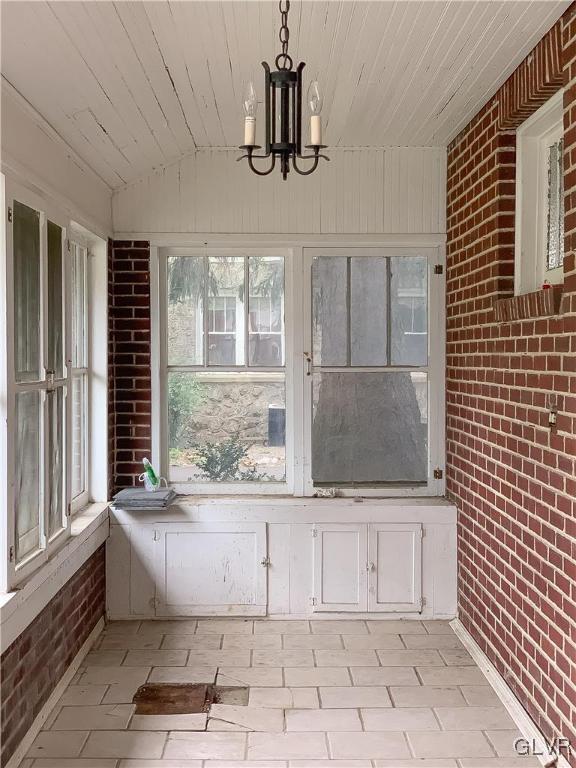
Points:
(297, 330)
(533, 138)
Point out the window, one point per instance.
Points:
(540, 198)
(224, 374)
(360, 413)
(79, 374)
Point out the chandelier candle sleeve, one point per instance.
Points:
(250, 107)
(315, 104)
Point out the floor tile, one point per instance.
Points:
(474, 719)
(373, 642)
(480, 696)
(284, 698)
(160, 764)
(224, 717)
(503, 742)
(399, 719)
(427, 696)
(323, 720)
(260, 676)
(451, 675)
(299, 658)
(84, 695)
(438, 627)
(384, 676)
(366, 658)
(104, 658)
(156, 659)
(316, 676)
(190, 722)
(500, 762)
(395, 627)
(281, 627)
(260, 642)
(224, 627)
(58, 744)
(439, 762)
(110, 717)
(368, 745)
(286, 746)
(122, 693)
(431, 641)
(125, 744)
(243, 764)
(172, 626)
(312, 642)
(221, 746)
(329, 764)
(117, 675)
(121, 627)
(131, 642)
(74, 762)
(183, 675)
(191, 642)
(234, 658)
(454, 744)
(410, 658)
(354, 696)
(455, 657)
(338, 627)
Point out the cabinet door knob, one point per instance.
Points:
(371, 567)
(265, 562)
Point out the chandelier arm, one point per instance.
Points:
(316, 157)
(256, 171)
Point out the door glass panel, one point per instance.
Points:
(185, 287)
(55, 357)
(330, 310)
(266, 311)
(368, 314)
(225, 321)
(55, 459)
(409, 300)
(78, 434)
(79, 307)
(27, 474)
(369, 428)
(26, 246)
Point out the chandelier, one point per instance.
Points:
(283, 104)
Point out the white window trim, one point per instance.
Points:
(10, 576)
(530, 247)
(298, 326)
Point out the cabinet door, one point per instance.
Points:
(210, 569)
(395, 567)
(340, 578)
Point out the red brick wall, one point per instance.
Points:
(35, 662)
(128, 360)
(511, 475)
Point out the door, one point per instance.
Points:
(340, 578)
(210, 569)
(395, 567)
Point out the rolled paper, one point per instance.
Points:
(315, 130)
(249, 131)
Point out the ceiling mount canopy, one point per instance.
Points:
(283, 105)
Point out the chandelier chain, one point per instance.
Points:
(283, 60)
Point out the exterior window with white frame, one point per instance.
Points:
(539, 251)
(80, 375)
(225, 404)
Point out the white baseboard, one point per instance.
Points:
(42, 716)
(526, 725)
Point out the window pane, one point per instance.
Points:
(368, 335)
(369, 428)
(185, 284)
(78, 435)
(409, 300)
(266, 308)
(330, 310)
(555, 234)
(27, 480)
(55, 358)
(26, 234)
(226, 427)
(55, 458)
(226, 310)
(79, 308)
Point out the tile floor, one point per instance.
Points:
(344, 694)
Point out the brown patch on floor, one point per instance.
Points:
(185, 698)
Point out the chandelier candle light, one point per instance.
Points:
(283, 103)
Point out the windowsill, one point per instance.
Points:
(543, 303)
(18, 608)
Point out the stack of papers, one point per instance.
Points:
(140, 498)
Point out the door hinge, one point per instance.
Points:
(265, 562)
(156, 535)
(68, 244)
(11, 554)
(422, 603)
(438, 269)
(314, 532)
(438, 474)
(9, 215)
(68, 509)
(313, 601)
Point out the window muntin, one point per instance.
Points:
(225, 399)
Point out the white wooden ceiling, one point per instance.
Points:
(133, 85)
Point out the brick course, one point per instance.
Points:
(33, 665)
(128, 360)
(510, 473)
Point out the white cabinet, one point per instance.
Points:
(210, 569)
(368, 567)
